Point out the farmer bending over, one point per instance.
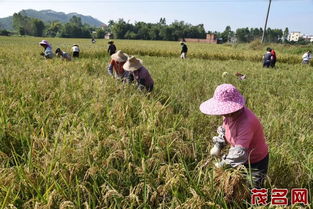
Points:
(48, 54)
(117, 62)
(139, 73)
(64, 55)
(241, 129)
(307, 57)
(75, 50)
(267, 58)
(273, 61)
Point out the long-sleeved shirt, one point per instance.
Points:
(246, 131)
(307, 56)
(66, 56)
(117, 67)
(143, 77)
(184, 48)
(75, 49)
(111, 49)
(48, 53)
(267, 56)
(273, 54)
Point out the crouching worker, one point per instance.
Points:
(267, 58)
(75, 50)
(140, 74)
(241, 129)
(48, 53)
(117, 62)
(307, 57)
(62, 54)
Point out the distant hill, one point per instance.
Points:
(6, 23)
(50, 15)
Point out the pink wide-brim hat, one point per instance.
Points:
(44, 42)
(226, 99)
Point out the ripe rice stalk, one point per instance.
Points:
(232, 183)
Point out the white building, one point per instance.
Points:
(294, 36)
(308, 37)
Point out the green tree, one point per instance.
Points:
(100, 32)
(75, 29)
(120, 28)
(285, 34)
(54, 29)
(227, 34)
(22, 24)
(243, 34)
(77, 21)
(37, 27)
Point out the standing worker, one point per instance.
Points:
(241, 129)
(184, 49)
(111, 48)
(307, 57)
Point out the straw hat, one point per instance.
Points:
(226, 99)
(132, 64)
(224, 74)
(119, 56)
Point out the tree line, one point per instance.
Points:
(179, 30)
(246, 35)
(155, 31)
(121, 29)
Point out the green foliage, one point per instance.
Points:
(245, 35)
(28, 26)
(54, 28)
(4, 33)
(157, 31)
(76, 29)
(72, 137)
(37, 27)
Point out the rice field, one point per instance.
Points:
(73, 137)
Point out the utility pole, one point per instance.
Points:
(268, 12)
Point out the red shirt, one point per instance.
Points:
(246, 130)
(117, 67)
(273, 54)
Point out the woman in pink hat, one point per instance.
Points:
(241, 129)
(48, 54)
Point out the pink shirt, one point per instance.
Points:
(246, 130)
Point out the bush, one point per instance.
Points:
(4, 33)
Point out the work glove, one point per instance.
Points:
(216, 149)
(222, 163)
(236, 156)
(221, 131)
(218, 141)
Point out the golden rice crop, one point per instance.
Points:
(72, 137)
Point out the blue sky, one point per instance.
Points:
(297, 15)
